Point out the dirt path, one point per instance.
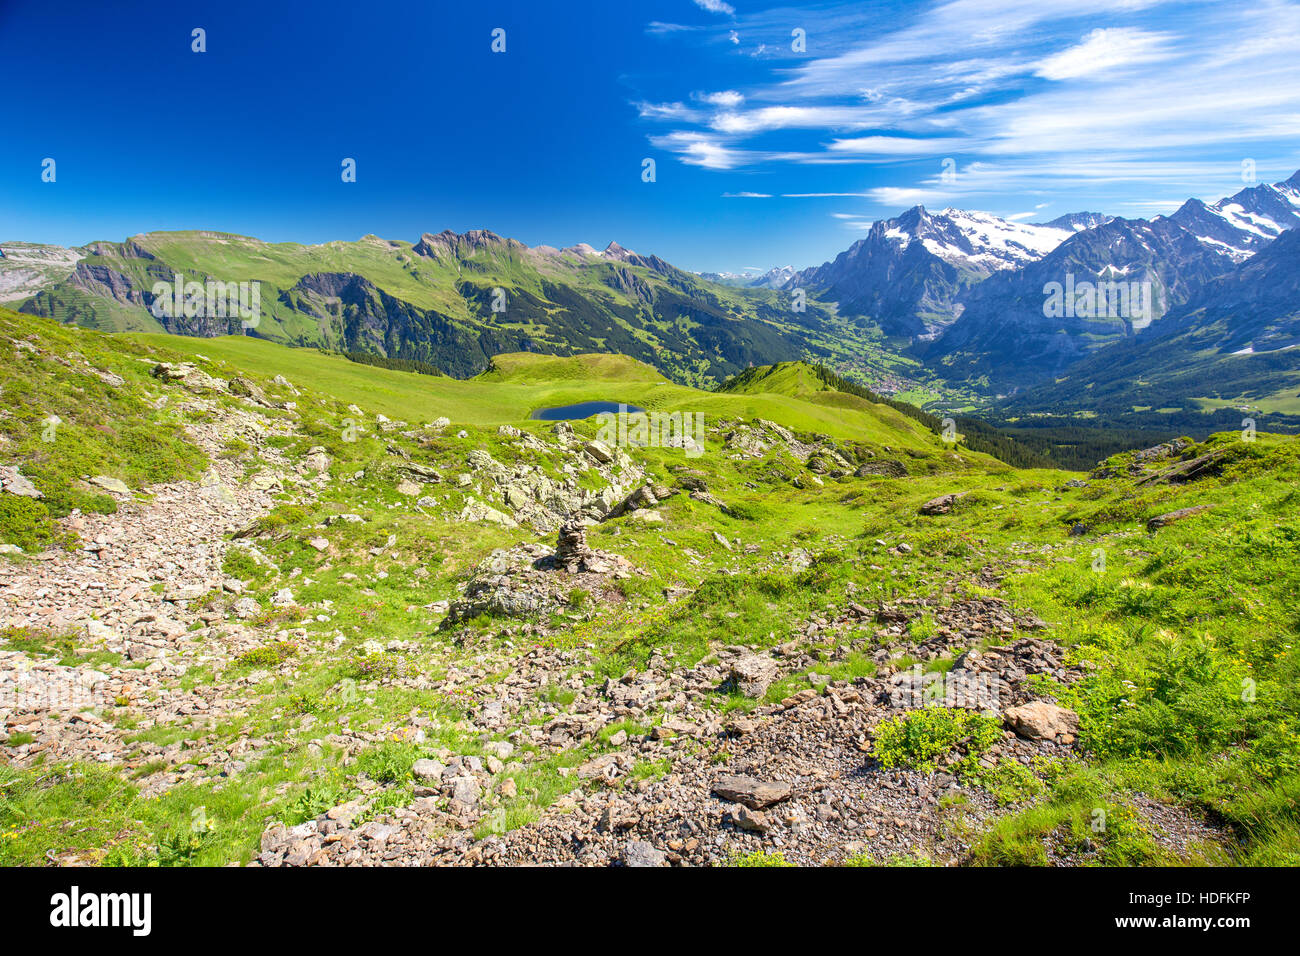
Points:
(132, 590)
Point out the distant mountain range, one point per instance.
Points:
(450, 300)
(1056, 314)
(774, 278)
(969, 291)
(1003, 338)
(910, 273)
(1235, 341)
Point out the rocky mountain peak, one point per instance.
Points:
(462, 245)
(615, 251)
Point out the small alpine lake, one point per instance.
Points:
(568, 413)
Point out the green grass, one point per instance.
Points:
(1189, 634)
(67, 423)
(524, 382)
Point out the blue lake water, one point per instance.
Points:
(568, 413)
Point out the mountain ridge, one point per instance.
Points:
(448, 299)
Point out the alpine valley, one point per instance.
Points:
(352, 572)
(945, 309)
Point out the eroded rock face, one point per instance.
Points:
(529, 496)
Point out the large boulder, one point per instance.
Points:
(885, 467)
(1039, 720)
(752, 792)
(641, 853)
(752, 674)
(476, 511)
(1169, 517)
(941, 505)
(13, 483)
(598, 450)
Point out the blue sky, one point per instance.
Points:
(766, 154)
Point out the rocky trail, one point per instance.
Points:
(131, 593)
(795, 777)
(675, 764)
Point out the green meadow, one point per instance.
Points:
(1186, 634)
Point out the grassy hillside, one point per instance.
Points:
(451, 301)
(518, 384)
(73, 407)
(821, 386)
(435, 302)
(1174, 644)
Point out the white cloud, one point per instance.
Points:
(716, 6)
(700, 149)
(901, 196)
(669, 111)
(797, 117)
(657, 26)
(729, 99)
(1164, 96)
(896, 146)
(746, 195)
(1105, 51)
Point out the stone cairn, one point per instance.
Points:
(572, 551)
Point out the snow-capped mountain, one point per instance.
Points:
(773, 278)
(920, 273)
(611, 253)
(1008, 337)
(1238, 335)
(1078, 221)
(979, 240)
(1245, 223)
(909, 272)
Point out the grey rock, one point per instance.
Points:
(641, 853)
(752, 674)
(750, 791)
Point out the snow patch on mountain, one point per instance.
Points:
(996, 243)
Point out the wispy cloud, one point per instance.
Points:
(1104, 52)
(728, 99)
(1028, 96)
(897, 146)
(700, 149)
(716, 6)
